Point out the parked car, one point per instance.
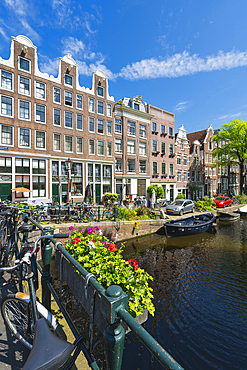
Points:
(222, 201)
(180, 206)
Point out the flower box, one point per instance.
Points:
(171, 155)
(76, 283)
(154, 132)
(163, 134)
(155, 153)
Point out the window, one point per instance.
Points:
(154, 126)
(57, 142)
(39, 186)
(163, 129)
(131, 129)
(131, 165)
(118, 126)
(24, 85)
(79, 123)
(40, 113)
(22, 166)
(6, 80)
(40, 140)
(56, 95)
(170, 131)
(79, 102)
(185, 176)
(79, 145)
(185, 161)
(171, 169)
(136, 106)
(68, 80)
(214, 184)
(193, 176)
(100, 107)
(109, 110)
(163, 168)
(154, 146)
(6, 135)
(39, 90)
(199, 176)
(206, 171)
(182, 144)
(68, 143)
(214, 171)
(219, 170)
(100, 91)
(170, 149)
(163, 148)
(142, 148)
(142, 166)
(24, 138)
(179, 176)
(91, 124)
(68, 98)
(118, 164)
(155, 168)
(6, 165)
(118, 145)
(210, 158)
(24, 64)
(6, 106)
(109, 148)
(24, 110)
(68, 119)
(57, 117)
(179, 160)
(143, 131)
(101, 147)
(210, 145)
(100, 126)
(91, 105)
(91, 146)
(131, 147)
(109, 128)
(196, 161)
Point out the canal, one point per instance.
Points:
(200, 290)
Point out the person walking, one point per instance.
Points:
(144, 202)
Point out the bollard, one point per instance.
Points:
(46, 252)
(114, 334)
(98, 213)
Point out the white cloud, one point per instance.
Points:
(230, 116)
(49, 66)
(3, 33)
(183, 64)
(181, 107)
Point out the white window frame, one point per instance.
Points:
(121, 150)
(130, 133)
(131, 147)
(36, 148)
(108, 134)
(56, 150)
(100, 133)
(69, 85)
(142, 160)
(109, 142)
(26, 101)
(58, 88)
(102, 96)
(120, 160)
(92, 118)
(101, 141)
(23, 146)
(69, 128)
(67, 151)
(81, 101)
(118, 125)
(89, 146)
(12, 80)
(81, 138)
(12, 99)
(154, 164)
(60, 117)
(79, 129)
(70, 93)
(145, 131)
(19, 64)
(21, 93)
(89, 107)
(43, 83)
(131, 159)
(100, 102)
(42, 123)
(4, 144)
(142, 145)
(179, 174)
(109, 110)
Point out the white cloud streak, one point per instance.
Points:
(182, 64)
(181, 107)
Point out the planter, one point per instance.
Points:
(163, 134)
(76, 283)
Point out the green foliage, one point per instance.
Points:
(110, 198)
(208, 201)
(204, 205)
(126, 214)
(101, 258)
(159, 191)
(180, 196)
(241, 198)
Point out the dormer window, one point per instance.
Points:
(136, 106)
(100, 91)
(24, 64)
(68, 80)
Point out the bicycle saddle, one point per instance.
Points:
(26, 227)
(6, 213)
(48, 352)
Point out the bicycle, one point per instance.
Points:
(87, 214)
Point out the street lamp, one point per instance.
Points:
(209, 186)
(68, 165)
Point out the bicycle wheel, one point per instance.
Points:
(9, 255)
(3, 242)
(88, 216)
(44, 219)
(18, 317)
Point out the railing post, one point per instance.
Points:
(115, 213)
(46, 252)
(80, 214)
(98, 213)
(59, 213)
(114, 334)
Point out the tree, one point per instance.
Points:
(231, 148)
(159, 191)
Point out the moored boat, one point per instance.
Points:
(243, 211)
(189, 225)
(228, 217)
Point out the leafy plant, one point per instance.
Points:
(180, 196)
(110, 198)
(126, 214)
(159, 191)
(100, 257)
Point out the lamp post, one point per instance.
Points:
(209, 186)
(68, 165)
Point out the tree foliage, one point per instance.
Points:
(159, 191)
(231, 148)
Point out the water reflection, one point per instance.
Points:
(200, 286)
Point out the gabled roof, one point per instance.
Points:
(199, 135)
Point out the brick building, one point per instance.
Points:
(44, 120)
(162, 136)
(182, 151)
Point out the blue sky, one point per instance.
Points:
(186, 57)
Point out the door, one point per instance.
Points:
(171, 193)
(5, 191)
(97, 193)
(55, 193)
(119, 189)
(64, 193)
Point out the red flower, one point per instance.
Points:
(133, 263)
(76, 240)
(111, 247)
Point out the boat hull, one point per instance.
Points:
(228, 217)
(189, 226)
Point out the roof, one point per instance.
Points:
(199, 135)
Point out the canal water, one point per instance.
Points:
(200, 290)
